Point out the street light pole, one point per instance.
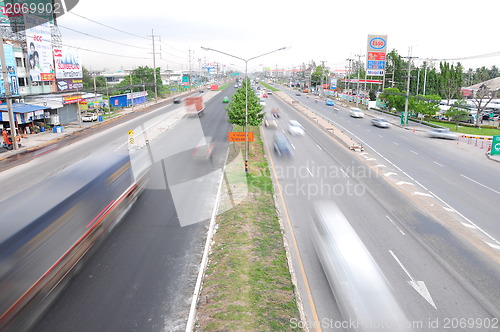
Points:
(246, 91)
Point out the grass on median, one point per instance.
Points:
(247, 285)
(269, 87)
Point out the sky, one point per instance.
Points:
(329, 31)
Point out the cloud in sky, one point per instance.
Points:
(327, 31)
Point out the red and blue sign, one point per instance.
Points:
(376, 55)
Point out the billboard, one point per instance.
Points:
(376, 53)
(68, 69)
(39, 41)
(10, 61)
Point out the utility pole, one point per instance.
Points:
(154, 65)
(8, 96)
(409, 57)
(349, 74)
(359, 68)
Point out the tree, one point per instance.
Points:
(236, 108)
(457, 112)
(394, 99)
(425, 105)
(450, 80)
(481, 98)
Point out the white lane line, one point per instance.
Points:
(380, 136)
(419, 286)
(468, 225)
(417, 182)
(390, 173)
(396, 143)
(414, 152)
(394, 224)
(345, 173)
(371, 159)
(319, 147)
(435, 162)
(404, 182)
(293, 146)
(309, 171)
(468, 178)
(494, 246)
(380, 165)
(418, 193)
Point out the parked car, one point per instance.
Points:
(356, 113)
(282, 145)
(380, 122)
(89, 117)
(295, 128)
(329, 102)
(442, 133)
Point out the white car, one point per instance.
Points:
(89, 117)
(295, 128)
(444, 133)
(356, 113)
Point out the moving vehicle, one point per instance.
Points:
(226, 99)
(362, 291)
(47, 229)
(442, 133)
(295, 128)
(270, 121)
(204, 149)
(356, 113)
(89, 117)
(194, 105)
(177, 100)
(282, 145)
(329, 102)
(380, 122)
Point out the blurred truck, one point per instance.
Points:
(194, 105)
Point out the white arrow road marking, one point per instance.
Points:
(419, 286)
(390, 173)
(380, 165)
(494, 246)
(403, 182)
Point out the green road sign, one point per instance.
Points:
(495, 145)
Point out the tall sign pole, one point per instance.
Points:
(8, 96)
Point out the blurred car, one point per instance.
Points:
(442, 133)
(204, 149)
(270, 121)
(226, 99)
(380, 122)
(356, 113)
(282, 145)
(177, 100)
(89, 117)
(295, 128)
(269, 92)
(236, 85)
(276, 113)
(297, 94)
(265, 95)
(330, 102)
(262, 102)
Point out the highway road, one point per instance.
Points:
(142, 277)
(437, 273)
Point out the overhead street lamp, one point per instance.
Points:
(246, 91)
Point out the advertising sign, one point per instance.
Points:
(39, 41)
(11, 70)
(376, 55)
(68, 73)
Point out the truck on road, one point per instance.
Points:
(194, 105)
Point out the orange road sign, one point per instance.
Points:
(239, 137)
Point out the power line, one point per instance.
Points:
(111, 41)
(118, 55)
(107, 26)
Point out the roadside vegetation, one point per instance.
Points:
(247, 284)
(269, 87)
